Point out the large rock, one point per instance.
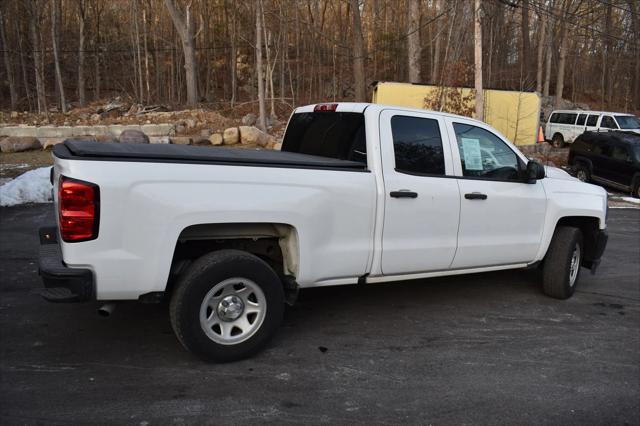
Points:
(106, 138)
(201, 140)
(231, 136)
(215, 139)
(253, 136)
(181, 140)
(133, 137)
(49, 143)
(19, 144)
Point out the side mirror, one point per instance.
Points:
(535, 171)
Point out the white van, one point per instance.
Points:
(566, 125)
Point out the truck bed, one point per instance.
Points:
(91, 150)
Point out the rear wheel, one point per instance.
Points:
(582, 172)
(557, 140)
(227, 305)
(562, 263)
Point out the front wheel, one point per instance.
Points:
(562, 263)
(582, 172)
(227, 305)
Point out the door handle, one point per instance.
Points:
(404, 194)
(475, 196)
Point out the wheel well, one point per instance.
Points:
(589, 227)
(557, 134)
(276, 244)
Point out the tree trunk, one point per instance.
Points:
(540, 64)
(186, 30)
(262, 120)
(436, 48)
(234, 56)
(8, 64)
(547, 60)
(34, 25)
(413, 42)
(478, 60)
(97, 10)
(81, 83)
(562, 61)
(358, 54)
(54, 40)
(23, 67)
(147, 75)
(605, 56)
(526, 42)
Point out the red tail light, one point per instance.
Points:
(325, 108)
(78, 208)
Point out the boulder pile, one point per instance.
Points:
(241, 136)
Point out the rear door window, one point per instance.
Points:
(581, 119)
(620, 153)
(592, 120)
(601, 148)
(338, 135)
(417, 145)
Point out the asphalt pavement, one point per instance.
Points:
(479, 349)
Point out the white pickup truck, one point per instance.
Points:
(359, 194)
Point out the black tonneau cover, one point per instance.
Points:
(88, 149)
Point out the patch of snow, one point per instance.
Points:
(631, 200)
(6, 167)
(30, 187)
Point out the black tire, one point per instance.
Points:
(198, 281)
(582, 172)
(557, 141)
(557, 263)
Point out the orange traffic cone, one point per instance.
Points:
(540, 135)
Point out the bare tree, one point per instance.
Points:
(526, 42)
(414, 47)
(436, 48)
(541, 42)
(34, 25)
(477, 42)
(8, 64)
(81, 23)
(55, 6)
(262, 121)
(562, 59)
(185, 27)
(358, 53)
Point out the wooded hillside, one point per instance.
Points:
(57, 53)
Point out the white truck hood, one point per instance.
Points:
(556, 173)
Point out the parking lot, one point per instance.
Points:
(488, 349)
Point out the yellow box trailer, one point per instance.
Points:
(514, 114)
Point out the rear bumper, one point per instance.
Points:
(62, 284)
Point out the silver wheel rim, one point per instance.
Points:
(582, 175)
(575, 265)
(233, 311)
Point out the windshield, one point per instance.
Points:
(628, 121)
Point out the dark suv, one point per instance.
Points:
(608, 158)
